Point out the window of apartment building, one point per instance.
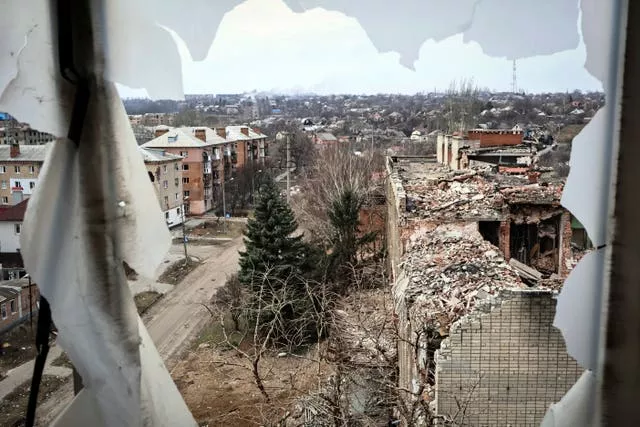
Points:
(165, 184)
(166, 215)
(18, 184)
(32, 169)
(185, 167)
(4, 185)
(3, 310)
(32, 185)
(16, 169)
(184, 154)
(176, 196)
(166, 200)
(5, 200)
(164, 168)
(185, 180)
(13, 305)
(177, 181)
(18, 228)
(186, 194)
(3, 169)
(176, 166)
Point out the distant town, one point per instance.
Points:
(433, 221)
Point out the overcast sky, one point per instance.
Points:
(263, 45)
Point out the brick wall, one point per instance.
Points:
(496, 138)
(507, 365)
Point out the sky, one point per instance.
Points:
(262, 45)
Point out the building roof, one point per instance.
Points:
(178, 138)
(28, 153)
(210, 135)
(234, 133)
(326, 136)
(15, 212)
(155, 155)
(185, 137)
(8, 292)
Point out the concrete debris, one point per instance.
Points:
(434, 192)
(450, 270)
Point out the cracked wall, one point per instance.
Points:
(504, 367)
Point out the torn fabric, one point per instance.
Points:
(74, 241)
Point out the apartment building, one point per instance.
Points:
(196, 147)
(209, 157)
(165, 172)
(20, 166)
(18, 300)
(243, 146)
(12, 131)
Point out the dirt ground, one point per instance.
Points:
(219, 388)
(14, 406)
(217, 229)
(178, 271)
(144, 300)
(17, 346)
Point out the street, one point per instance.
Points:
(178, 317)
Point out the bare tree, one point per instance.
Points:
(336, 170)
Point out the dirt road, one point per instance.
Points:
(177, 318)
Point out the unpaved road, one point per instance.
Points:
(178, 317)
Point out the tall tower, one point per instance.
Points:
(514, 82)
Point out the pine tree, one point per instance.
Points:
(272, 247)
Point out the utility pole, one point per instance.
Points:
(224, 204)
(288, 168)
(184, 231)
(372, 132)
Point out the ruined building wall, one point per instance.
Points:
(506, 366)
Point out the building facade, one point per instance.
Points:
(476, 260)
(12, 131)
(196, 147)
(18, 300)
(165, 173)
(210, 157)
(20, 166)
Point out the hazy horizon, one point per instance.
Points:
(262, 45)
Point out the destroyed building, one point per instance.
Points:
(477, 257)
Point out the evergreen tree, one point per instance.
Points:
(271, 246)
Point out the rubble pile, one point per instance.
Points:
(446, 195)
(451, 269)
(535, 194)
(363, 329)
(459, 197)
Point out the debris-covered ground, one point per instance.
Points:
(17, 346)
(451, 268)
(345, 379)
(13, 407)
(144, 300)
(219, 388)
(178, 271)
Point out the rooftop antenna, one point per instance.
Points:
(514, 82)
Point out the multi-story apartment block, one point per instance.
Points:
(19, 169)
(12, 131)
(210, 156)
(165, 172)
(195, 146)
